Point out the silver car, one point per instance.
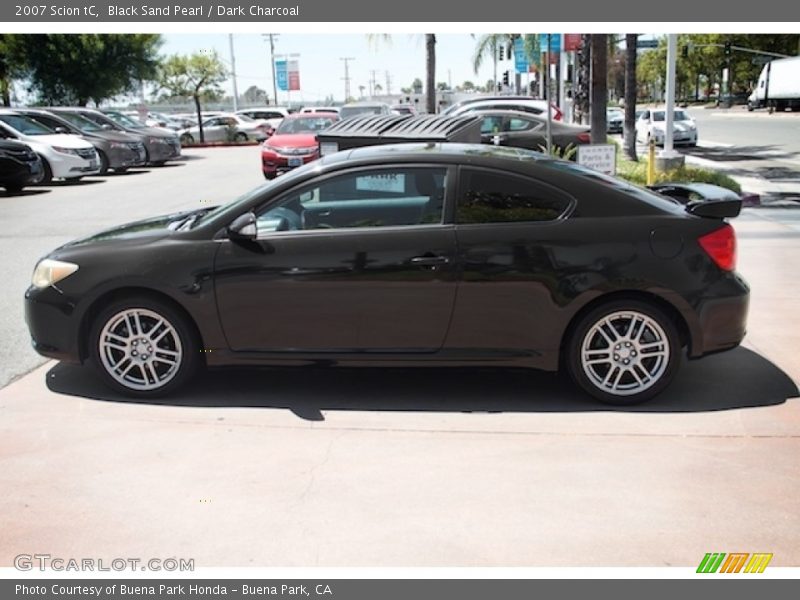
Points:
(226, 128)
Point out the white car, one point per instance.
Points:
(227, 127)
(320, 109)
(64, 155)
(518, 103)
(651, 125)
(273, 115)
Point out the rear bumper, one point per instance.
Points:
(722, 320)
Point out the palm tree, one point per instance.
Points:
(597, 106)
(629, 128)
(490, 43)
(430, 72)
(430, 65)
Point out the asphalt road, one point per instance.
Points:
(43, 218)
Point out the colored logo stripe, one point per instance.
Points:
(735, 561)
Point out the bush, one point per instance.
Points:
(636, 172)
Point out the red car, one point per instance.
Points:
(294, 142)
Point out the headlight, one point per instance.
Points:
(49, 272)
(66, 150)
(157, 140)
(119, 146)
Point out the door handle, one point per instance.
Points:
(429, 261)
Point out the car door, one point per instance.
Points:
(355, 261)
(520, 132)
(214, 130)
(509, 232)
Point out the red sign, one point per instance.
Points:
(293, 68)
(572, 41)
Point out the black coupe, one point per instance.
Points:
(412, 254)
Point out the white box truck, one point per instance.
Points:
(778, 85)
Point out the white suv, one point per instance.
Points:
(64, 155)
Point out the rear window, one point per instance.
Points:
(640, 193)
(494, 197)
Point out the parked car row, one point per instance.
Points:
(70, 143)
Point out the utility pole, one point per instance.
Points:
(346, 76)
(388, 83)
(233, 69)
(272, 37)
(372, 83)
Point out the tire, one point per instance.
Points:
(103, 163)
(163, 366)
(240, 137)
(47, 172)
(186, 139)
(73, 179)
(269, 176)
(13, 188)
(629, 366)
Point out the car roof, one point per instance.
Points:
(321, 114)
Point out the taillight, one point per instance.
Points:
(585, 137)
(557, 114)
(720, 245)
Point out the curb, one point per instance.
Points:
(220, 145)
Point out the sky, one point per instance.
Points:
(322, 71)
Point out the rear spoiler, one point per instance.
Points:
(715, 209)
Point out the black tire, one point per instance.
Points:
(240, 137)
(47, 173)
(186, 139)
(182, 340)
(269, 176)
(13, 188)
(103, 163)
(73, 179)
(121, 170)
(647, 364)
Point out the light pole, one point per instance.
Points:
(272, 37)
(346, 76)
(233, 70)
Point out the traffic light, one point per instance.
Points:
(505, 78)
(509, 51)
(728, 48)
(501, 53)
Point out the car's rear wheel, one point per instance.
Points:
(624, 352)
(186, 139)
(46, 175)
(240, 137)
(103, 163)
(143, 347)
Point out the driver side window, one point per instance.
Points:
(390, 197)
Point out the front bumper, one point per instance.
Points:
(65, 166)
(162, 151)
(126, 156)
(273, 164)
(52, 323)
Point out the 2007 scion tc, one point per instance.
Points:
(413, 254)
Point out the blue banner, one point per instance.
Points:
(282, 75)
(520, 56)
(555, 42)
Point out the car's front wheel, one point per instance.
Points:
(624, 352)
(143, 347)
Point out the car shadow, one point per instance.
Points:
(26, 192)
(127, 172)
(733, 380)
(63, 183)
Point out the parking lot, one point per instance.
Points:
(391, 467)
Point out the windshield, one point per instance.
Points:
(352, 111)
(124, 120)
(678, 115)
(25, 125)
(304, 125)
(245, 118)
(78, 121)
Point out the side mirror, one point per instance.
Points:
(106, 126)
(243, 227)
(60, 130)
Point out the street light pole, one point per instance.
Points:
(272, 37)
(672, 48)
(346, 76)
(233, 69)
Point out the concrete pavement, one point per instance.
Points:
(422, 467)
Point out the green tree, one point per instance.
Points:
(254, 95)
(69, 69)
(196, 76)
